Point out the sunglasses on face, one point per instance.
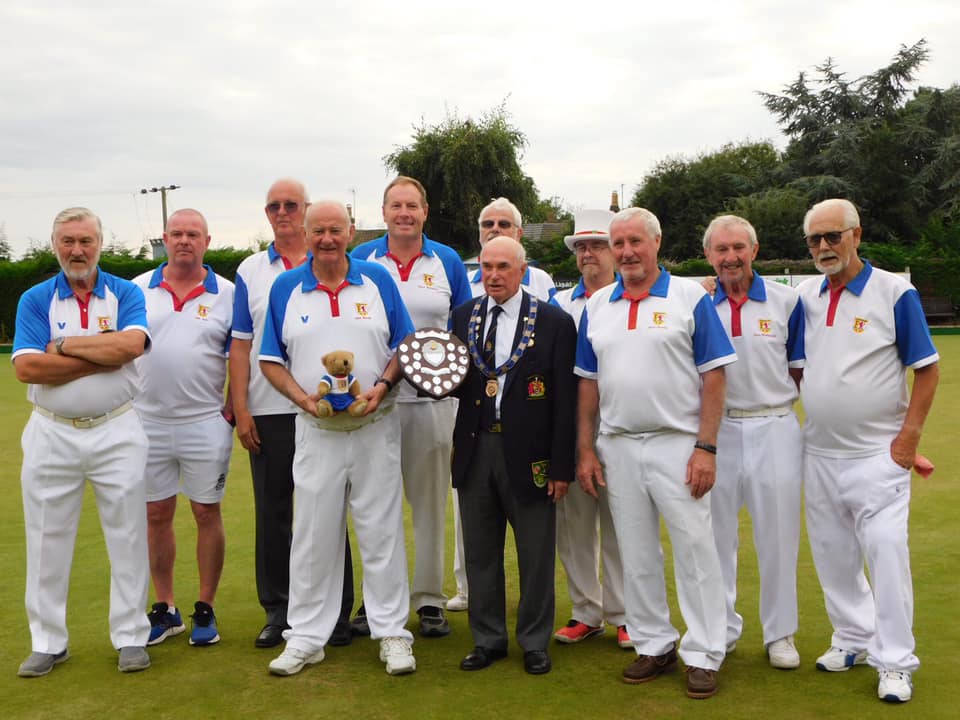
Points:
(833, 237)
(502, 224)
(289, 207)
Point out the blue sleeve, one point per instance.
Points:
(360, 252)
(33, 319)
(272, 346)
(131, 306)
(796, 349)
(552, 291)
(242, 320)
(457, 277)
(710, 341)
(913, 336)
(586, 358)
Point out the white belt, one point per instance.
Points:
(759, 412)
(84, 423)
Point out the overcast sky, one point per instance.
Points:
(101, 99)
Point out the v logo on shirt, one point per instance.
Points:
(61, 325)
(304, 318)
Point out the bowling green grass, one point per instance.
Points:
(230, 680)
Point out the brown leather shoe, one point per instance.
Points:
(649, 667)
(701, 683)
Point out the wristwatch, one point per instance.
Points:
(58, 344)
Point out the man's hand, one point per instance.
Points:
(557, 489)
(701, 472)
(903, 449)
(590, 472)
(247, 432)
(374, 396)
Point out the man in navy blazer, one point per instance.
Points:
(513, 453)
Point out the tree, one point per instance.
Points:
(686, 194)
(463, 164)
(6, 252)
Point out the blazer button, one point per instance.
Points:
(477, 403)
(473, 435)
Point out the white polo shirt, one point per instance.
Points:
(365, 316)
(574, 300)
(51, 309)
(431, 285)
(535, 281)
(859, 344)
(767, 334)
(182, 379)
(648, 367)
(255, 276)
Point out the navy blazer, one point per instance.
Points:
(538, 407)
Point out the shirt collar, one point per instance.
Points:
(209, 280)
(581, 290)
(756, 292)
(310, 282)
(658, 289)
(381, 247)
(856, 285)
(64, 290)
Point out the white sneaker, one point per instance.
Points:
(398, 655)
(457, 603)
(839, 660)
(896, 686)
(291, 661)
(783, 654)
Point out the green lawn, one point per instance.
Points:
(231, 679)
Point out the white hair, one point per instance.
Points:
(649, 219)
(851, 218)
(729, 221)
(76, 213)
(501, 203)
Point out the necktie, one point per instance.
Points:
(488, 414)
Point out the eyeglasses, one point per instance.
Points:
(289, 207)
(581, 247)
(833, 237)
(502, 224)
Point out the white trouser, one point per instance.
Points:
(426, 430)
(459, 562)
(584, 530)
(331, 471)
(646, 478)
(759, 465)
(56, 459)
(857, 508)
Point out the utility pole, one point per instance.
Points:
(353, 213)
(163, 198)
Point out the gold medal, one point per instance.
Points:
(491, 387)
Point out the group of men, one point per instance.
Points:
(584, 417)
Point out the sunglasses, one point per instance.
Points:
(833, 237)
(289, 207)
(502, 224)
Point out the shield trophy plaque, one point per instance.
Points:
(434, 361)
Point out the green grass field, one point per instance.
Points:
(231, 678)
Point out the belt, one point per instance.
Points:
(759, 412)
(495, 428)
(84, 423)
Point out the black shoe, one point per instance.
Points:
(481, 657)
(270, 636)
(341, 636)
(432, 622)
(358, 626)
(536, 662)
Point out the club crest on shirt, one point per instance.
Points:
(859, 324)
(362, 310)
(765, 326)
(540, 470)
(428, 280)
(536, 388)
(659, 318)
(203, 311)
(103, 323)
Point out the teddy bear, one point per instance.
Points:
(338, 389)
